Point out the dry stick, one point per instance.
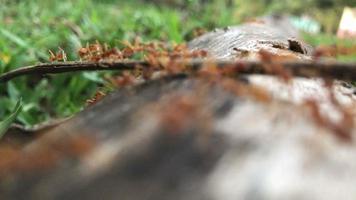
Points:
(334, 70)
(63, 67)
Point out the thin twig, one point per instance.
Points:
(63, 67)
(334, 70)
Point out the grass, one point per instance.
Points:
(5, 124)
(28, 29)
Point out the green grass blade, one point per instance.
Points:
(14, 38)
(5, 124)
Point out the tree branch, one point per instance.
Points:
(334, 70)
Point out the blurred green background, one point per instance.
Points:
(28, 29)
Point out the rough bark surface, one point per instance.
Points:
(239, 41)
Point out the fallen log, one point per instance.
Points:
(197, 137)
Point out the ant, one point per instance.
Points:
(59, 56)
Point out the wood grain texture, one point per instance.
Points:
(235, 42)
